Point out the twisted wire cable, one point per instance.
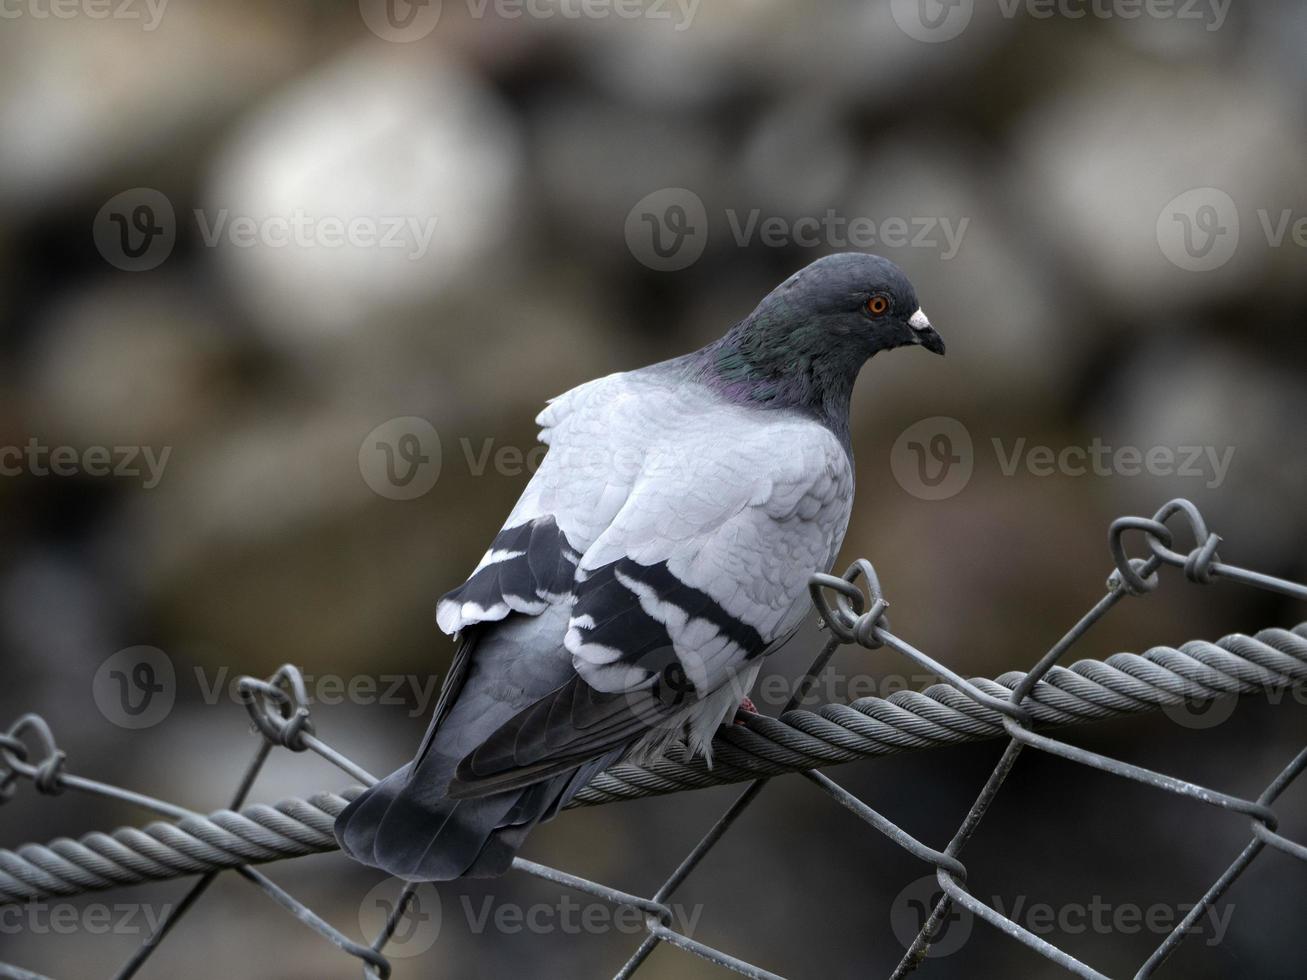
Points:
(799, 740)
(1089, 690)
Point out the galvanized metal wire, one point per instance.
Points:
(852, 607)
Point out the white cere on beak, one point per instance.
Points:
(918, 321)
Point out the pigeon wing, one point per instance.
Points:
(702, 569)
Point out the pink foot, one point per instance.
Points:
(746, 707)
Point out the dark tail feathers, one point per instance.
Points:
(407, 827)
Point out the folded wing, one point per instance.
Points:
(701, 569)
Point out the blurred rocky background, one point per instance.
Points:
(283, 286)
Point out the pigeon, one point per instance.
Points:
(661, 550)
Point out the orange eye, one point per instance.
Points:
(878, 305)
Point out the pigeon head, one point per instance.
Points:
(805, 343)
(851, 304)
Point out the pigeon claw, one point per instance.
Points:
(746, 708)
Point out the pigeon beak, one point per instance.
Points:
(924, 334)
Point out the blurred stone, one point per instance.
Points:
(798, 159)
(265, 542)
(136, 361)
(378, 181)
(1276, 38)
(852, 52)
(473, 365)
(1218, 396)
(596, 160)
(1189, 32)
(1100, 166)
(86, 98)
(59, 620)
(877, 54)
(685, 54)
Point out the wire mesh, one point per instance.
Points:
(852, 608)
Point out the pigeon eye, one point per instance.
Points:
(878, 305)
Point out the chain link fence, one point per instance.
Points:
(1017, 706)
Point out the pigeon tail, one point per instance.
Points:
(403, 828)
